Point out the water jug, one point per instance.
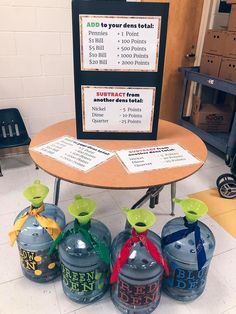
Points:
(138, 265)
(84, 252)
(188, 246)
(35, 229)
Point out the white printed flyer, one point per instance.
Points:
(119, 43)
(74, 153)
(117, 109)
(158, 157)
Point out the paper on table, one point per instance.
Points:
(74, 153)
(157, 157)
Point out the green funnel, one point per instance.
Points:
(82, 209)
(140, 219)
(36, 193)
(193, 208)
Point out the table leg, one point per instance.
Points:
(173, 194)
(56, 192)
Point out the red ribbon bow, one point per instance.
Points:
(126, 249)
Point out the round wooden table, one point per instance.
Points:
(112, 174)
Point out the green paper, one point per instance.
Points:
(98, 276)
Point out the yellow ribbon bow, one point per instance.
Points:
(49, 224)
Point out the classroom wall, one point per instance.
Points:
(36, 66)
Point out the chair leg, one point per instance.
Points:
(1, 175)
(173, 194)
(56, 193)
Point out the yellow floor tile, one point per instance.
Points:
(228, 222)
(222, 210)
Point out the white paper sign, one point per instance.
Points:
(119, 43)
(117, 109)
(74, 153)
(159, 157)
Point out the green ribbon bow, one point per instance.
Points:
(100, 249)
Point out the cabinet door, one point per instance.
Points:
(182, 35)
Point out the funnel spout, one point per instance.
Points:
(140, 219)
(177, 200)
(193, 208)
(125, 210)
(82, 209)
(36, 193)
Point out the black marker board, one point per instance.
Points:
(119, 50)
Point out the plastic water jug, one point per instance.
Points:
(188, 246)
(138, 265)
(35, 229)
(84, 252)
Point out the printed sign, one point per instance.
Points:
(74, 153)
(158, 157)
(120, 109)
(119, 43)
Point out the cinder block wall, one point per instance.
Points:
(36, 66)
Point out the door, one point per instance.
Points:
(183, 27)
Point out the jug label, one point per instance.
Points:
(38, 262)
(189, 279)
(139, 294)
(28, 259)
(81, 281)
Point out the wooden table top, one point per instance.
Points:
(112, 174)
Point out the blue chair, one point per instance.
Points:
(13, 132)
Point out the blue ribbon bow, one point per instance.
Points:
(191, 227)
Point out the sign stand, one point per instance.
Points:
(119, 50)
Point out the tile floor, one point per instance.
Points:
(20, 296)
